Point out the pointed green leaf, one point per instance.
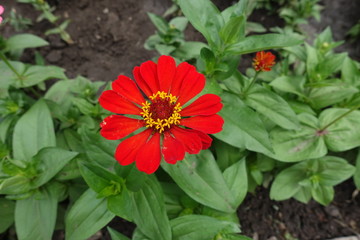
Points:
(205, 17)
(243, 127)
(334, 92)
(116, 235)
(37, 74)
(98, 149)
(25, 40)
(149, 210)
(344, 134)
(87, 216)
(7, 208)
(286, 183)
(272, 106)
(237, 180)
(200, 178)
(301, 144)
(257, 43)
(33, 131)
(323, 194)
(49, 162)
(35, 217)
(200, 227)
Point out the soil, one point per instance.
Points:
(109, 37)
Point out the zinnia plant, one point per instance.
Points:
(170, 126)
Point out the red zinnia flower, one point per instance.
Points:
(263, 61)
(171, 126)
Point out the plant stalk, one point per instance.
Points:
(6, 61)
(251, 83)
(340, 117)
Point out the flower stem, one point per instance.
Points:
(6, 61)
(251, 83)
(340, 117)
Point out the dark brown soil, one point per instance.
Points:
(109, 37)
(262, 218)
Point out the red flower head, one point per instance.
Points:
(170, 126)
(263, 61)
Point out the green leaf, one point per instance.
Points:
(205, 17)
(15, 185)
(35, 217)
(301, 144)
(22, 41)
(98, 149)
(149, 210)
(243, 127)
(134, 179)
(331, 64)
(200, 178)
(286, 183)
(236, 178)
(160, 23)
(257, 43)
(37, 74)
(179, 23)
(323, 194)
(226, 154)
(233, 31)
(344, 134)
(121, 204)
(116, 235)
(272, 106)
(357, 171)
(350, 73)
(7, 208)
(33, 131)
(99, 178)
(189, 50)
(7, 76)
(333, 92)
(290, 84)
(334, 170)
(200, 227)
(87, 216)
(49, 162)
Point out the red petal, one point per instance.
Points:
(206, 140)
(166, 69)
(207, 104)
(116, 126)
(113, 102)
(181, 72)
(128, 149)
(172, 149)
(141, 82)
(148, 72)
(192, 85)
(207, 124)
(128, 89)
(149, 157)
(189, 139)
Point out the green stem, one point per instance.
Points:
(251, 83)
(2, 56)
(338, 118)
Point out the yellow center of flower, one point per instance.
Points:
(162, 111)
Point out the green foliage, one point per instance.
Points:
(312, 178)
(281, 129)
